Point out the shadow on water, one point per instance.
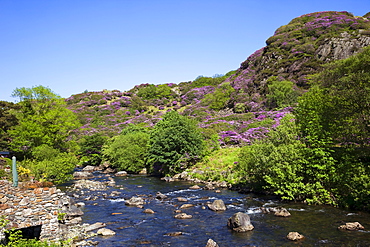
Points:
(133, 227)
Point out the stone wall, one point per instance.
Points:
(31, 207)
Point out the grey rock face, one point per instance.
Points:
(342, 47)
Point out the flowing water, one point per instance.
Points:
(133, 227)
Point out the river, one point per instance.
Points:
(133, 227)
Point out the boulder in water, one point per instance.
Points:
(351, 226)
(195, 187)
(217, 205)
(240, 222)
(294, 236)
(282, 212)
(94, 226)
(82, 175)
(211, 243)
(160, 196)
(121, 174)
(106, 232)
(135, 201)
(148, 211)
(89, 169)
(277, 211)
(186, 205)
(174, 234)
(183, 216)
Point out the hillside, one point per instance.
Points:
(233, 106)
(299, 49)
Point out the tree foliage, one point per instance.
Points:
(175, 143)
(49, 164)
(43, 119)
(334, 120)
(219, 98)
(128, 151)
(281, 164)
(339, 102)
(7, 121)
(91, 148)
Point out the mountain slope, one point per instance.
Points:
(298, 50)
(233, 107)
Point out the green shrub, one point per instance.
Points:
(129, 150)
(281, 164)
(50, 164)
(91, 147)
(281, 94)
(175, 143)
(219, 98)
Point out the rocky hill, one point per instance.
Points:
(300, 48)
(233, 106)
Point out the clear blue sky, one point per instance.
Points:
(75, 45)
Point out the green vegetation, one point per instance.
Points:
(217, 166)
(175, 143)
(280, 93)
(219, 98)
(128, 151)
(281, 164)
(91, 148)
(42, 120)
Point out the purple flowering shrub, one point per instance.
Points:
(292, 54)
(196, 94)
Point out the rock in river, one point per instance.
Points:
(106, 232)
(351, 226)
(294, 236)
(217, 205)
(183, 216)
(211, 243)
(135, 201)
(240, 222)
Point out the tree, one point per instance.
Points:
(342, 92)
(43, 119)
(281, 164)
(128, 151)
(91, 148)
(174, 143)
(334, 121)
(7, 121)
(49, 164)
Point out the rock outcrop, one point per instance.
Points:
(297, 50)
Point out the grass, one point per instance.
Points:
(217, 166)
